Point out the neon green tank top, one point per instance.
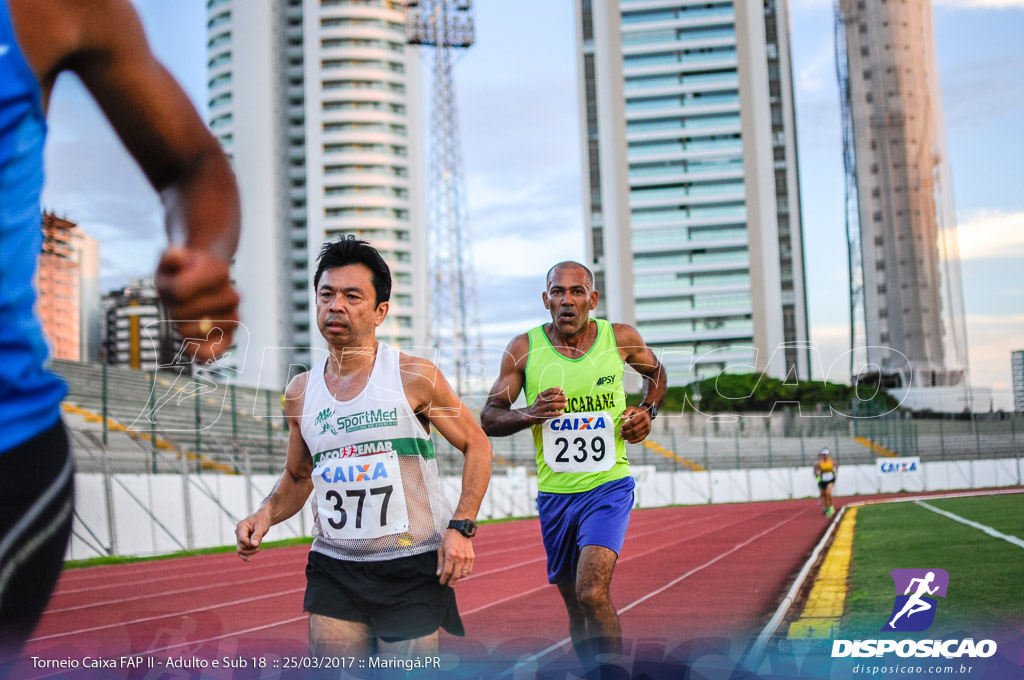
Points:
(593, 386)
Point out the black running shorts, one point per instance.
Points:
(36, 507)
(398, 599)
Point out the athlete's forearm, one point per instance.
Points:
(502, 421)
(287, 498)
(202, 206)
(476, 475)
(655, 386)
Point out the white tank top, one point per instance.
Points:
(376, 492)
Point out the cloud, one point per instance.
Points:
(512, 255)
(976, 91)
(992, 235)
(990, 339)
(819, 70)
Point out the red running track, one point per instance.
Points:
(684, 573)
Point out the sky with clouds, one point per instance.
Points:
(521, 144)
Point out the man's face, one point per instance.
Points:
(346, 308)
(570, 299)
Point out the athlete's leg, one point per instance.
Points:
(36, 504)
(422, 648)
(577, 622)
(593, 584)
(329, 637)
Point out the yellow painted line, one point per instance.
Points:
(873, 446)
(654, 446)
(827, 599)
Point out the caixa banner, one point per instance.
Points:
(899, 467)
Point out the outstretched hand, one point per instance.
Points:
(195, 287)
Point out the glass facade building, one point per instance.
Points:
(692, 201)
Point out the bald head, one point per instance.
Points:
(569, 265)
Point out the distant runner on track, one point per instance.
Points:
(387, 546)
(825, 470)
(571, 370)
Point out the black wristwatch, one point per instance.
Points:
(466, 527)
(651, 408)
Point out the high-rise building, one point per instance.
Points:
(1017, 369)
(317, 104)
(138, 334)
(692, 204)
(906, 299)
(67, 281)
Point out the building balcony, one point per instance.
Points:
(675, 45)
(686, 66)
(678, 177)
(653, 335)
(671, 134)
(357, 136)
(681, 111)
(687, 199)
(640, 5)
(713, 17)
(684, 245)
(668, 290)
(687, 314)
(727, 151)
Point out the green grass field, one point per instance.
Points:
(986, 574)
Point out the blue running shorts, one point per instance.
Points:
(570, 521)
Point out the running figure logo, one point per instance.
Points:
(914, 610)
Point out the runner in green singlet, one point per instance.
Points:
(572, 370)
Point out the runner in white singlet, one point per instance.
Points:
(387, 545)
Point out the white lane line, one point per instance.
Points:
(562, 643)
(171, 564)
(113, 582)
(228, 635)
(710, 562)
(621, 561)
(171, 615)
(178, 591)
(277, 594)
(753, 658)
(980, 527)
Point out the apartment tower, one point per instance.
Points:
(317, 104)
(692, 205)
(907, 299)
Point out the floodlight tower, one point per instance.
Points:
(447, 26)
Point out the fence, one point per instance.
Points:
(143, 514)
(168, 462)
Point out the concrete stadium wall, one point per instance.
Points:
(133, 514)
